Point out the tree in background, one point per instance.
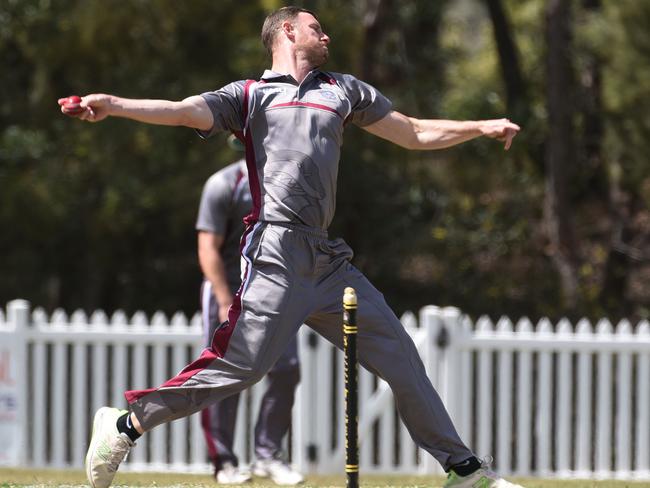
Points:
(103, 217)
(586, 210)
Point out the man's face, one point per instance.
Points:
(310, 39)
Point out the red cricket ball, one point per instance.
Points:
(71, 105)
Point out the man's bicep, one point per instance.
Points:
(394, 127)
(199, 115)
(226, 106)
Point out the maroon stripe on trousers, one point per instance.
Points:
(206, 424)
(206, 357)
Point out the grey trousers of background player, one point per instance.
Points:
(274, 418)
(297, 276)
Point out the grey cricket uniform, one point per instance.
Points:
(225, 201)
(294, 274)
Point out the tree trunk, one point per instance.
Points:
(509, 61)
(517, 92)
(617, 264)
(375, 14)
(560, 153)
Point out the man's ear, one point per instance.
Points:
(288, 30)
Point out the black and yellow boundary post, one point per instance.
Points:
(351, 387)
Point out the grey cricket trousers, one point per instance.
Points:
(274, 418)
(294, 275)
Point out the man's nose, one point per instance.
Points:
(325, 38)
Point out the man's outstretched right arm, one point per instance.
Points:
(191, 112)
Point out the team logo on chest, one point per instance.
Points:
(328, 95)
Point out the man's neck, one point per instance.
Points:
(291, 65)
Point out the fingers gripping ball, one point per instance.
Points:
(71, 105)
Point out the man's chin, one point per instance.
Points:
(320, 61)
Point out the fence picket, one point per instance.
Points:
(504, 403)
(464, 388)
(77, 317)
(99, 364)
(485, 398)
(563, 405)
(604, 406)
(544, 401)
(98, 317)
(386, 438)
(58, 437)
(524, 402)
(118, 377)
(623, 403)
(40, 417)
(642, 447)
(365, 435)
(81, 419)
(584, 403)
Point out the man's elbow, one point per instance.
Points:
(188, 118)
(193, 115)
(411, 143)
(411, 139)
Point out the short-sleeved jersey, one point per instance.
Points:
(225, 201)
(293, 135)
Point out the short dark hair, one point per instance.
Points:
(274, 21)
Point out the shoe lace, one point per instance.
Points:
(119, 452)
(486, 466)
(486, 462)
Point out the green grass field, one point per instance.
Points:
(26, 477)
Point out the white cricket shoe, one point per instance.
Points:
(229, 474)
(279, 471)
(483, 477)
(107, 449)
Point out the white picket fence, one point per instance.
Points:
(553, 401)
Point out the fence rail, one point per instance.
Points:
(543, 399)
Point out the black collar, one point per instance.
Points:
(273, 76)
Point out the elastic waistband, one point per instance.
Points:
(299, 228)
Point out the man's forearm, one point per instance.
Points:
(439, 134)
(191, 112)
(213, 267)
(214, 271)
(413, 133)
